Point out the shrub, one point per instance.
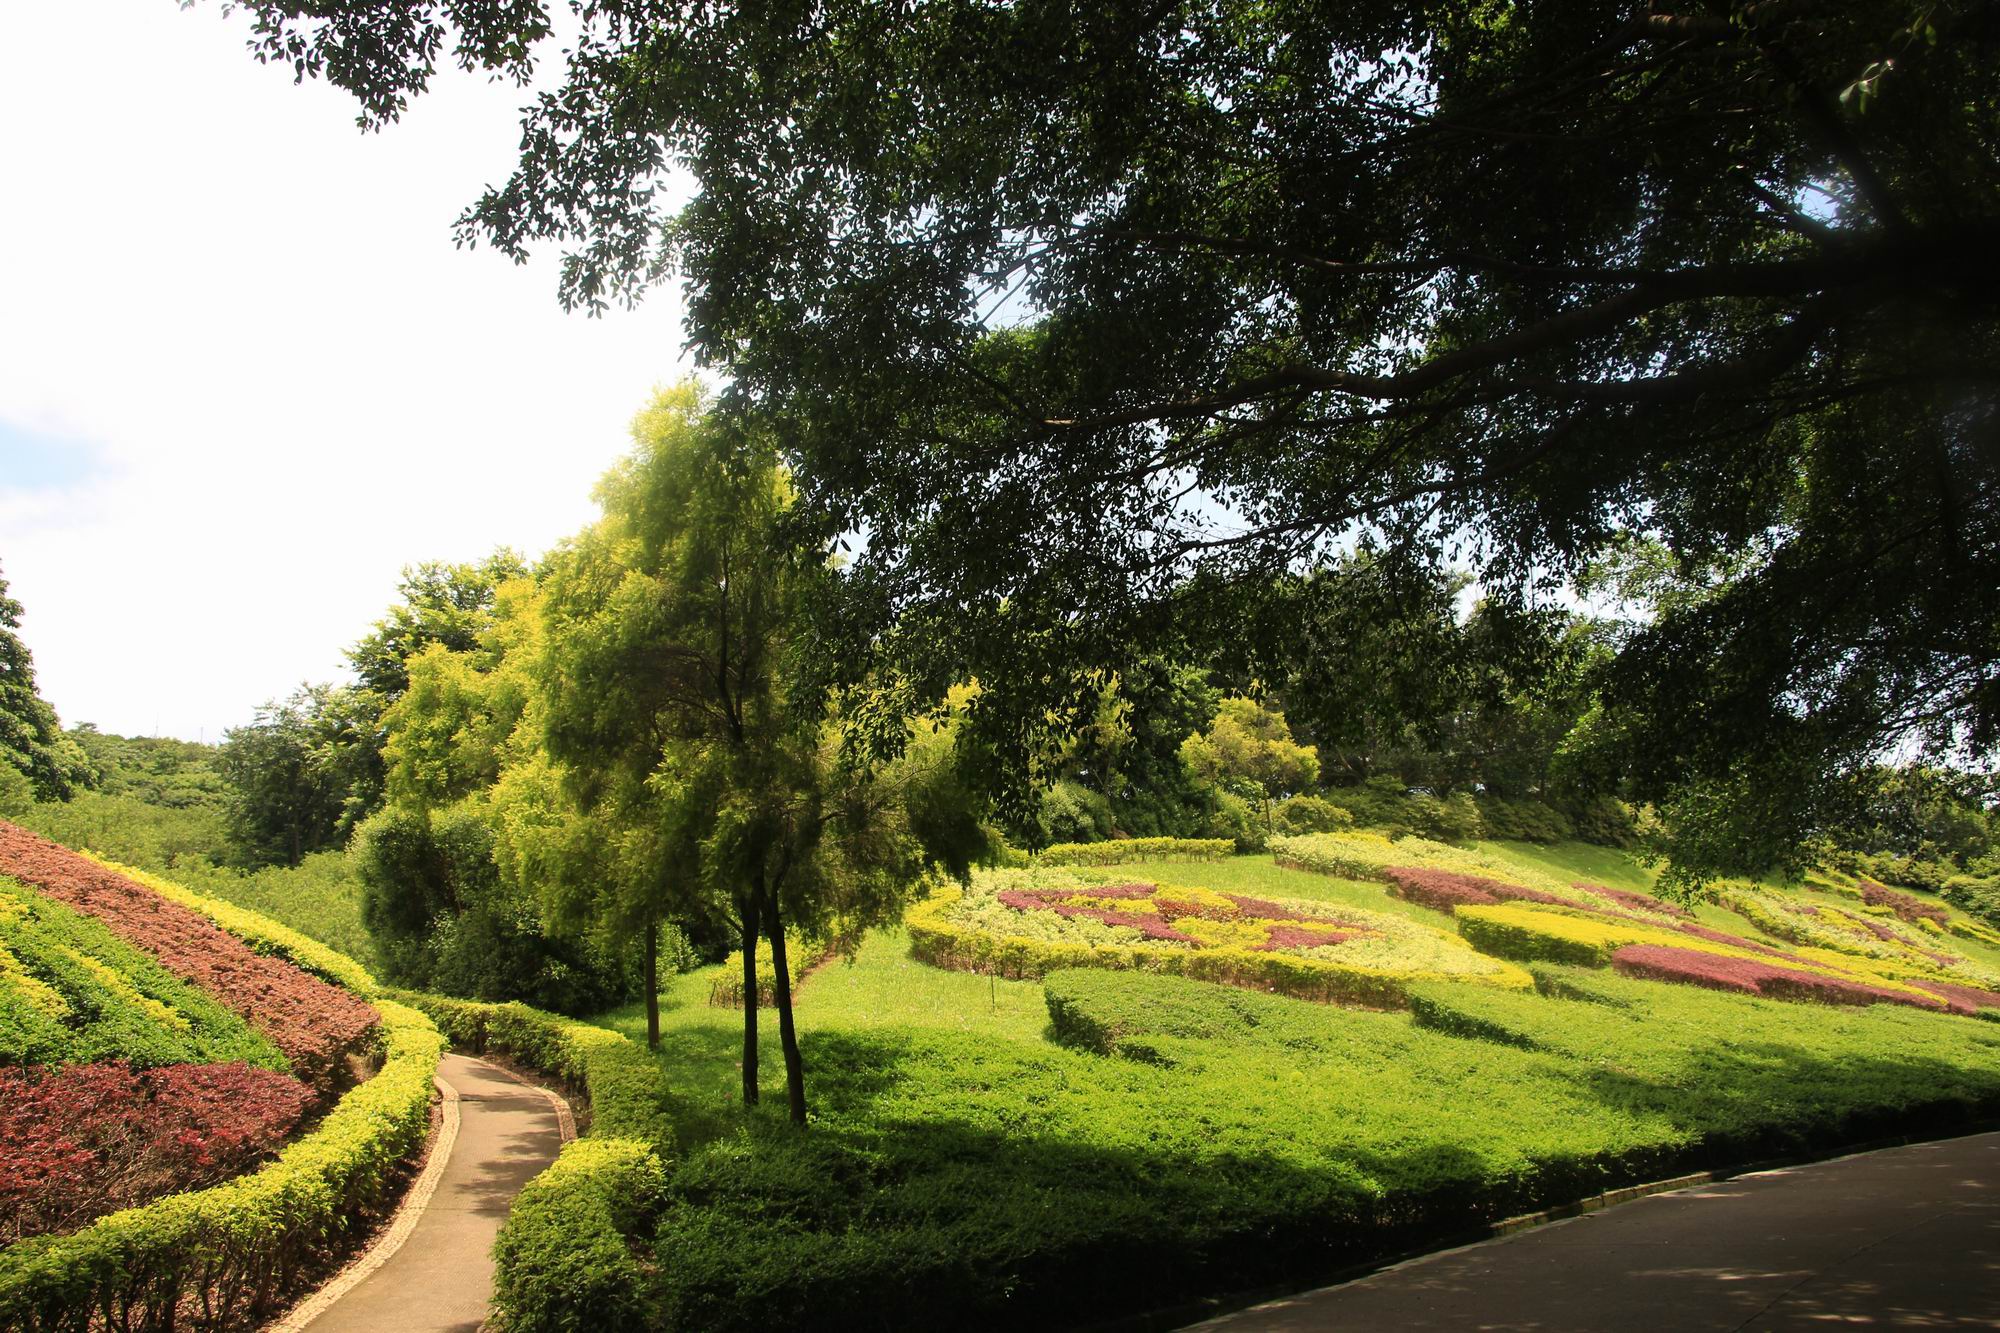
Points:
(801, 957)
(1903, 905)
(1025, 925)
(1754, 976)
(1453, 818)
(1231, 819)
(1309, 814)
(1120, 850)
(1606, 821)
(1072, 812)
(1447, 890)
(236, 1252)
(1523, 821)
(71, 991)
(86, 1140)
(311, 1021)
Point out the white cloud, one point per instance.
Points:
(288, 381)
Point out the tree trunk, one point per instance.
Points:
(795, 1069)
(652, 985)
(750, 1002)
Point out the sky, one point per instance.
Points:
(245, 377)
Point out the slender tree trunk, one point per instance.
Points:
(750, 1002)
(653, 985)
(795, 1069)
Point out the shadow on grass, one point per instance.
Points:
(874, 1219)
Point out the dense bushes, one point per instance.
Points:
(89, 1139)
(1136, 849)
(442, 920)
(226, 1257)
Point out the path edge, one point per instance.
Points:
(405, 1220)
(1191, 1314)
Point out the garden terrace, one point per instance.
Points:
(1023, 923)
(313, 1022)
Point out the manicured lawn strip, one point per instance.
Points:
(960, 1179)
(90, 1139)
(232, 1254)
(91, 996)
(313, 1022)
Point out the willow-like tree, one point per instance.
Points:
(683, 770)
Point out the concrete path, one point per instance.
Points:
(1903, 1238)
(440, 1278)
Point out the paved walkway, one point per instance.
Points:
(1903, 1238)
(441, 1277)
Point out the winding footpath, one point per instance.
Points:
(1902, 1238)
(431, 1271)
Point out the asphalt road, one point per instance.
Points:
(1902, 1238)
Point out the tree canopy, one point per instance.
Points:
(32, 742)
(1060, 307)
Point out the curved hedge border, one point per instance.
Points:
(260, 932)
(943, 943)
(222, 1258)
(1119, 850)
(564, 1259)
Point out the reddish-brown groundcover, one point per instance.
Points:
(1659, 962)
(1446, 890)
(86, 1140)
(1902, 904)
(314, 1023)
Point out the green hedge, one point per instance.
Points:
(1120, 850)
(564, 1258)
(227, 1257)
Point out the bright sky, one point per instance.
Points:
(244, 376)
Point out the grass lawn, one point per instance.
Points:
(973, 1161)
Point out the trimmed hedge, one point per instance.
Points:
(1120, 850)
(227, 1257)
(940, 942)
(564, 1257)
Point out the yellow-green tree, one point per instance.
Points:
(1249, 749)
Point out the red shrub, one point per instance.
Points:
(1264, 909)
(1643, 902)
(1714, 936)
(1659, 962)
(1902, 904)
(1447, 890)
(313, 1022)
(86, 1140)
(1304, 937)
(1961, 999)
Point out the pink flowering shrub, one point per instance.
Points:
(1446, 890)
(86, 1140)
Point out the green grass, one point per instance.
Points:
(1017, 1154)
(319, 897)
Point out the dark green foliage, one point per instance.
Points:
(158, 771)
(32, 742)
(1309, 814)
(441, 918)
(1979, 896)
(1523, 821)
(1072, 812)
(296, 771)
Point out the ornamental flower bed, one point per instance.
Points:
(1903, 905)
(1756, 976)
(1448, 890)
(1024, 923)
(86, 1140)
(312, 1022)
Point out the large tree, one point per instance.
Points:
(1058, 304)
(32, 742)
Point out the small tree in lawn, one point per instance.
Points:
(1249, 748)
(678, 769)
